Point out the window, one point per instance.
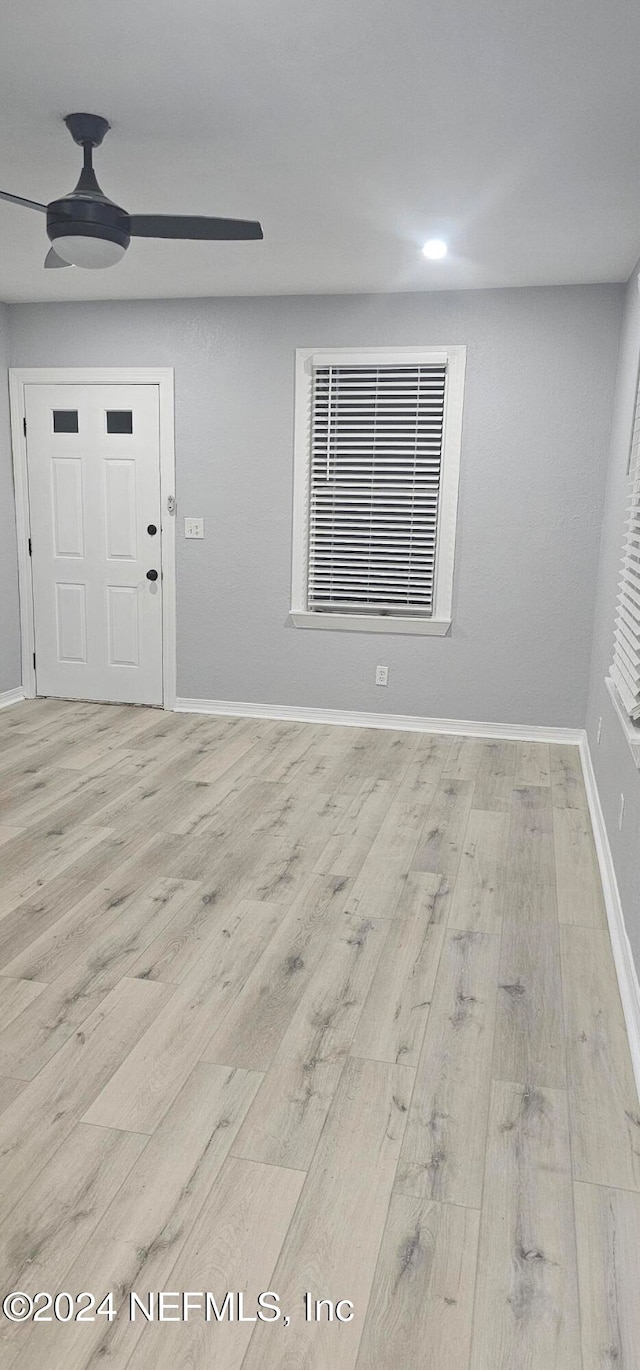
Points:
(65, 420)
(377, 455)
(119, 421)
(625, 670)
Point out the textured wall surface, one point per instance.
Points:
(10, 667)
(615, 769)
(540, 381)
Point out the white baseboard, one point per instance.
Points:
(403, 722)
(623, 957)
(11, 697)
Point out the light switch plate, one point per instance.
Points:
(194, 528)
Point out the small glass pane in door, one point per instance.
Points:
(65, 420)
(119, 421)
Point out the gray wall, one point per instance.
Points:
(540, 380)
(10, 666)
(616, 772)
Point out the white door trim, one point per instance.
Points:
(19, 378)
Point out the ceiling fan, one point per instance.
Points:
(87, 229)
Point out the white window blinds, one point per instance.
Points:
(625, 670)
(375, 484)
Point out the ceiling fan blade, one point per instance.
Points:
(53, 260)
(192, 226)
(20, 200)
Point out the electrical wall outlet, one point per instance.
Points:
(599, 732)
(621, 812)
(194, 528)
(382, 675)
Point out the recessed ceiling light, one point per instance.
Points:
(435, 249)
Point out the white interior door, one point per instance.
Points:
(93, 460)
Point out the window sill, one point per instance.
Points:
(631, 733)
(362, 623)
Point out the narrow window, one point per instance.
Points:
(625, 669)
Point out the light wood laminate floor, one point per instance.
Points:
(299, 1008)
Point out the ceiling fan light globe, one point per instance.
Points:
(89, 252)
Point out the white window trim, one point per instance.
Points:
(308, 357)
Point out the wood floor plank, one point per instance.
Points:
(28, 864)
(145, 1085)
(31, 917)
(443, 1152)
(577, 877)
(422, 777)
(394, 1018)
(7, 834)
(9, 1090)
(355, 830)
(494, 779)
(77, 931)
(63, 1206)
(604, 1111)
(530, 1037)
(15, 995)
(228, 855)
(332, 1245)
(608, 1240)
(440, 846)
(463, 758)
(377, 888)
(142, 1233)
(291, 1107)
(289, 1113)
(227, 752)
(282, 761)
(567, 782)
(526, 1311)
(259, 1017)
(25, 792)
(41, 793)
(422, 1297)
(114, 952)
(477, 901)
(367, 754)
(423, 896)
(36, 1034)
(171, 955)
(46, 1111)
(234, 1245)
(532, 764)
(296, 838)
(530, 892)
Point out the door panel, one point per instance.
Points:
(124, 635)
(71, 621)
(66, 475)
(93, 458)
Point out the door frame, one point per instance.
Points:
(162, 376)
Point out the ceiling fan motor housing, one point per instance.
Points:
(88, 218)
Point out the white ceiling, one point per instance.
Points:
(354, 129)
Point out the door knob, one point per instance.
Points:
(151, 529)
(152, 575)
